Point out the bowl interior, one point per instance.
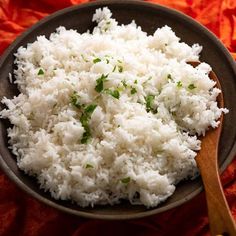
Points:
(149, 17)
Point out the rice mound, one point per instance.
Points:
(110, 115)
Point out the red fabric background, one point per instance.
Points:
(22, 215)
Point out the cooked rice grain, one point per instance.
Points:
(149, 105)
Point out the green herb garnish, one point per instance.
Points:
(40, 72)
(90, 108)
(136, 81)
(74, 99)
(120, 69)
(124, 83)
(147, 80)
(88, 166)
(100, 81)
(84, 119)
(114, 69)
(133, 90)
(149, 102)
(179, 84)
(125, 180)
(107, 61)
(96, 60)
(191, 86)
(86, 137)
(169, 77)
(114, 93)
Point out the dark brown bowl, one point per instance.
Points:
(149, 17)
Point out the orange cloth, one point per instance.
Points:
(22, 215)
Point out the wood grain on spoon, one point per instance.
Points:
(220, 218)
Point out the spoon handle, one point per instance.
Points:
(220, 218)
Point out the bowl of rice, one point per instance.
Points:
(102, 112)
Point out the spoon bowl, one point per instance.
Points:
(220, 218)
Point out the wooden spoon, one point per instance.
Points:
(220, 218)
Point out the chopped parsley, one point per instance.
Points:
(88, 166)
(114, 69)
(84, 119)
(100, 81)
(144, 83)
(136, 81)
(124, 83)
(120, 69)
(125, 180)
(191, 86)
(114, 93)
(179, 84)
(133, 90)
(107, 61)
(169, 77)
(149, 104)
(40, 72)
(119, 61)
(74, 100)
(86, 137)
(90, 108)
(96, 60)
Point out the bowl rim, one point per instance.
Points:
(102, 3)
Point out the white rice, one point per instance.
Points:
(138, 150)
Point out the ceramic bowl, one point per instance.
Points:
(149, 17)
